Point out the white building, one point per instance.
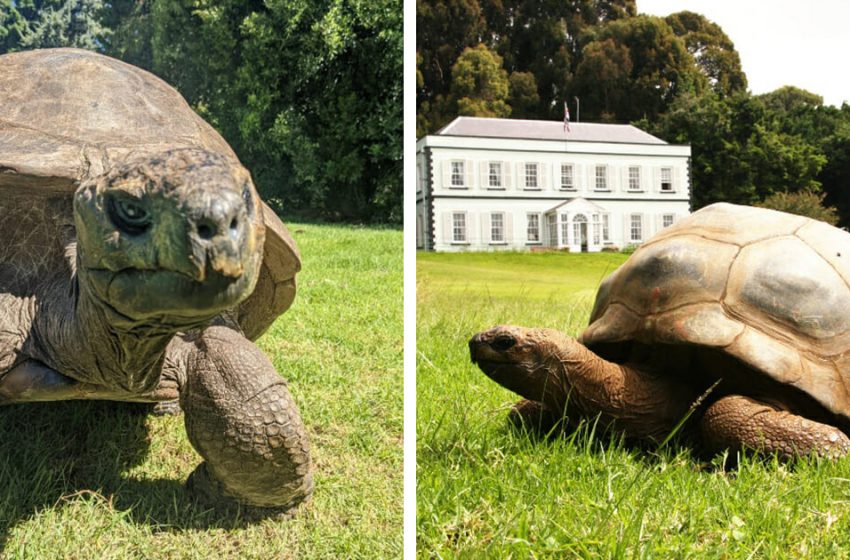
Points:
(503, 184)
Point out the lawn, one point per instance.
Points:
(485, 490)
(104, 480)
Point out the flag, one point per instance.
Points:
(566, 117)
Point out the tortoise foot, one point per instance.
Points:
(535, 417)
(208, 492)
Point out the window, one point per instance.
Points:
(552, 222)
(606, 228)
(533, 228)
(494, 175)
(596, 229)
(567, 177)
(635, 227)
(634, 178)
(497, 227)
(666, 179)
(531, 176)
(458, 227)
(565, 229)
(667, 220)
(601, 177)
(457, 174)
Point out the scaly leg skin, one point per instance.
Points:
(735, 422)
(535, 417)
(242, 420)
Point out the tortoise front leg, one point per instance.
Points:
(242, 420)
(736, 422)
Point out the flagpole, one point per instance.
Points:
(578, 110)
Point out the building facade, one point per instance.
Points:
(501, 184)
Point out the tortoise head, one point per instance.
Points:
(173, 239)
(523, 360)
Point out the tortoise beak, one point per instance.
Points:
(218, 232)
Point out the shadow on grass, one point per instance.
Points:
(54, 453)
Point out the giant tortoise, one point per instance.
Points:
(138, 263)
(738, 317)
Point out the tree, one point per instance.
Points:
(661, 68)
(739, 155)
(72, 23)
(804, 203)
(788, 99)
(523, 97)
(444, 28)
(603, 77)
(13, 26)
(712, 49)
(480, 84)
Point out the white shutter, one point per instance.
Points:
(507, 175)
(627, 230)
(578, 176)
(447, 174)
(483, 174)
(624, 178)
(485, 228)
(447, 228)
(509, 227)
(545, 174)
(677, 179)
(656, 179)
(469, 171)
(645, 227)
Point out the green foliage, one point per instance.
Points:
(309, 94)
(788, 99)
(38, 24)
(712, 49)
(479, 84)
(603, 77)
(739, 153)
(523, 97)
(803, 203)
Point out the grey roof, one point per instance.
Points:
(547, 130)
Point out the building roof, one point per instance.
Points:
(547, 130)
(576, 204)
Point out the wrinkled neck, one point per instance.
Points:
(81, 337)
(581, 379)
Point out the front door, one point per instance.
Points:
(580, 232)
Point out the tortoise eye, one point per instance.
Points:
(129, 215)
(503, 342)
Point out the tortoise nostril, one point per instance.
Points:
(234, 224)
(206, 229)
(503, 342)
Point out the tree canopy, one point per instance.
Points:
(678, 77)
(308, 93)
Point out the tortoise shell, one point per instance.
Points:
(67, 115)
(770, 289)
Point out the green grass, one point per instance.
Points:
(104, 480)
(487, 491)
